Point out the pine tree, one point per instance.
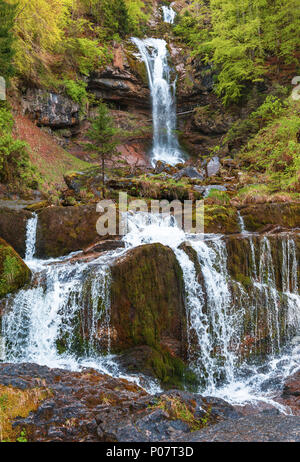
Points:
(7, 16)
(102, 133)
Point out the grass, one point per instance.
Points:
(17, 403)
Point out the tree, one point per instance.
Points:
(7, 16)
(102, 133)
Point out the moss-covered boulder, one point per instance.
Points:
(13, 227)
(258, 216)
(14, 274)
(148, 313)
(62, 230)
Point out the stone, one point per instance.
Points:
(257, 217)
(14, 273)
(147, 283)
(189, 172)
(62, 230)
(213, 186)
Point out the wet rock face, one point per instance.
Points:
(147, 310)
(147, 283)
(14, 274)
(89, 406)
(62, 230)
(13, 227)
(257, 217)
(50, 109)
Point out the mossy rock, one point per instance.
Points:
(14, 274)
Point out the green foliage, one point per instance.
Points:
(15, 165)
(7, 16)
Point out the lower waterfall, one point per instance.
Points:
(39, 323)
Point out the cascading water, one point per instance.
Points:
(168, 14)
(155, 55)
(41, 323)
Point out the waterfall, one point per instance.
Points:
(168, 14)
(63, 319)
(155, 55)
(31, 237)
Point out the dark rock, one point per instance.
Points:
(13, 224)
(189, 172)
(213, 166)
(258, 216)
(104, 246)
(292, 386)
(14, 274)
(147, 283)
(254, 428)
(62, 230)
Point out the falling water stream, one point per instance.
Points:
(39, 319)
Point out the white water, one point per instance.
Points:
(162, 85)
(37, 318)
(168, 14)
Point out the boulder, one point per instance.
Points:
(257, 217)
(62, 230)
(50, 109)
(13, 227)
(147, 310)
(14, 274)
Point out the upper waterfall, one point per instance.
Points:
(155, 55)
